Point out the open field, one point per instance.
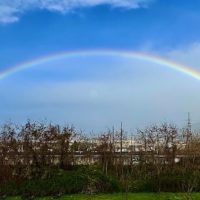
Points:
(130, 196)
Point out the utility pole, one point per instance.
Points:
(113, 139)
(113, 146)
(121, 138)
(188, 129)
(189, 125)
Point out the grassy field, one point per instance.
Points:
(135, 196)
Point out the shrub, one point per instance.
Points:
(58, 182)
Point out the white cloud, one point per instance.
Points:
(11, 10)
(7, 14)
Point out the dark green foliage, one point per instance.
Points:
(90, 180)
(59, 182)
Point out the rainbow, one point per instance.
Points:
(189, 71)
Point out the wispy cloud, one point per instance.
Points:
(11, 10)
(8, 14)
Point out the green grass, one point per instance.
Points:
(119, 196)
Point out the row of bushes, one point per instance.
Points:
(171, 182)
(59, 182)
(93, 180)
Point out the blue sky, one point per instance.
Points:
(159, 25)
(31, 29)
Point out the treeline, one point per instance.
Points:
(45, 159)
